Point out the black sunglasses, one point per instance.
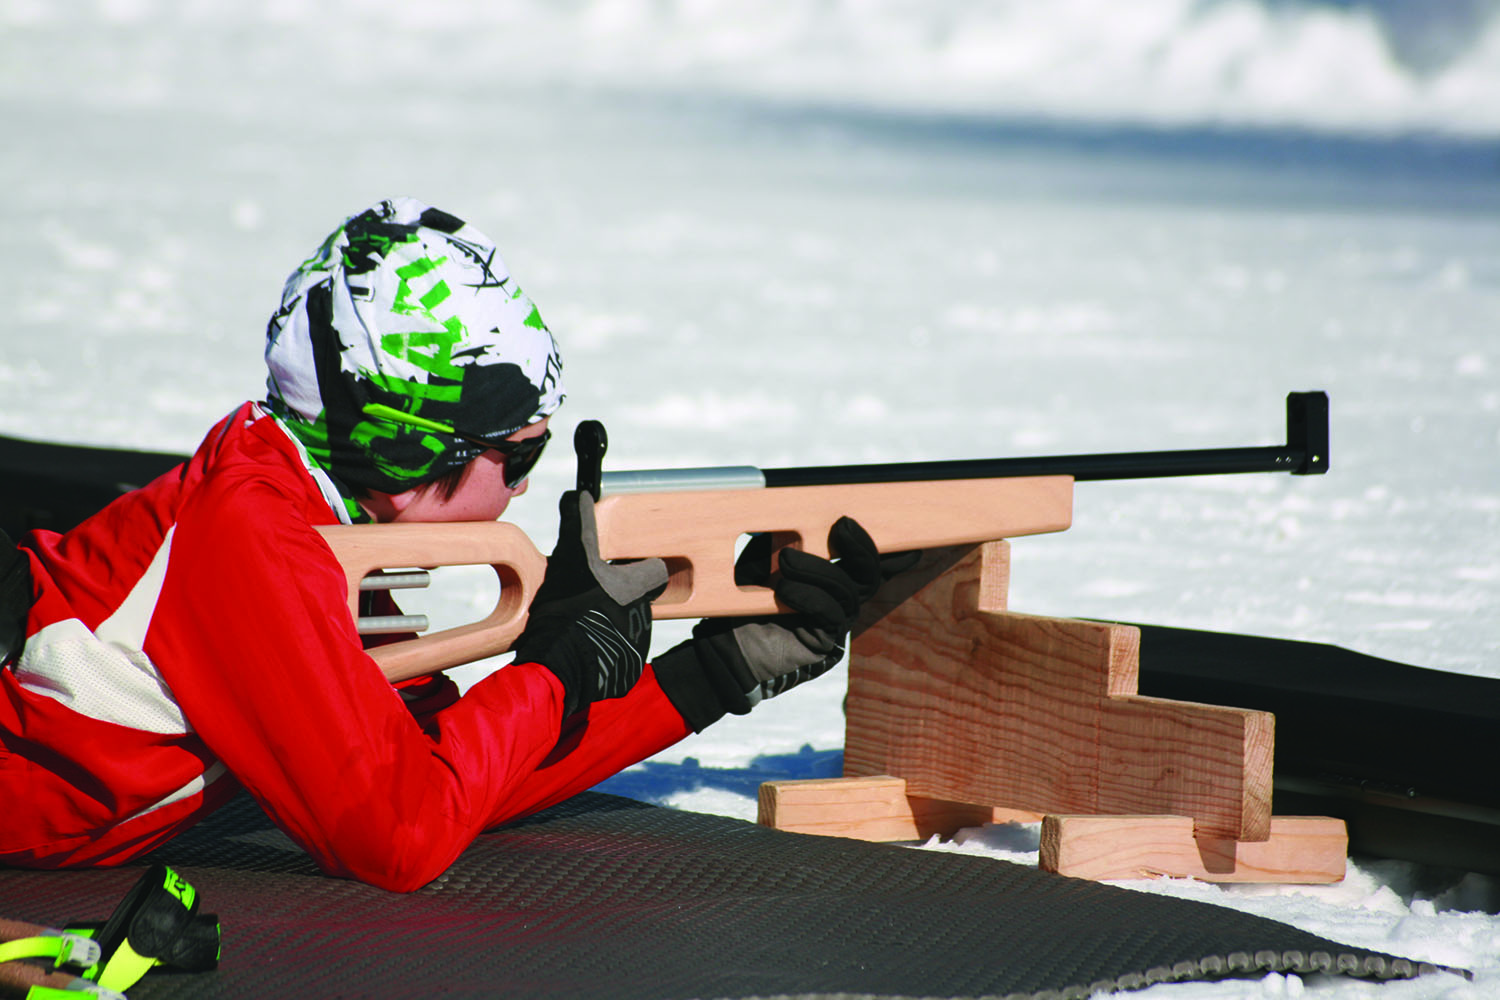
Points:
(520, 456)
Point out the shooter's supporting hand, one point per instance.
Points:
(590, 623)
(731, 664)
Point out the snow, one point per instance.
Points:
(854, 232)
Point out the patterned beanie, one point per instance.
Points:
(410, 309)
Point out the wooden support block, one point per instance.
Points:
(972, 703)
(1301, 849)
(874, 808)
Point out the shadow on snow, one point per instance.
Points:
(653, 781)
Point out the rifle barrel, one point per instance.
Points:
(1083, 468)
(1305, 453)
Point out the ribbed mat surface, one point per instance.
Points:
(607, 897)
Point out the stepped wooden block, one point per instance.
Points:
(874, 808)
(972, 703)
(1301, 849)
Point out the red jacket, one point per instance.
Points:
(194, 637)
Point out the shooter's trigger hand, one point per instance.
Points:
(590, 622)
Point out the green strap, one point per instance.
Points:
(73, 991)
(124, 968)
(62, 947)
(31, 947)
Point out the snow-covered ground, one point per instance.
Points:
(792, 233)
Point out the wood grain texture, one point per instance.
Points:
(1300, 849)
(874, 808)
(974, 704)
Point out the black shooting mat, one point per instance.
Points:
(608, 897)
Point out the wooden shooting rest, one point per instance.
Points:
(961, 712)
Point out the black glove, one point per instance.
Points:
(731, 664)
(590, 622)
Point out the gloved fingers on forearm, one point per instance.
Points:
(731, 665)
(753, 567)
(857, 555)
(852, 547)
(867, 566)
(817, 588)
(832, 590)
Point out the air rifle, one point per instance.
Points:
(694, 518)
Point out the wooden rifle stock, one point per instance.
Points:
(696, 533)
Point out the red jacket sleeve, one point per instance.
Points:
(253, 634)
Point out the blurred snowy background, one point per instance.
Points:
(797, 232)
